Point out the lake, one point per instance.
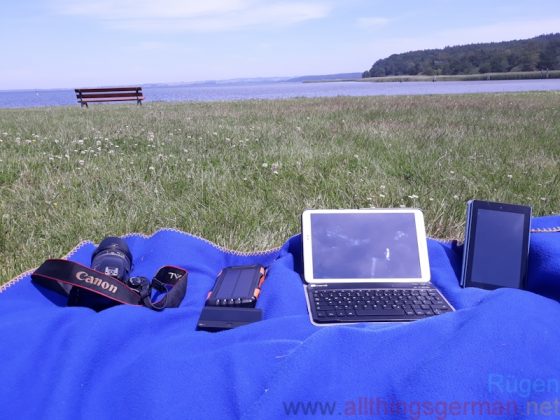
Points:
(281, 90)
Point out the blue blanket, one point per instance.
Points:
(497, 355)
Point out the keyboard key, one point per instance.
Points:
(441, 306)
(438, 311)
(380, 312)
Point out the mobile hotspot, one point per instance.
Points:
(231, 303)
(237, 286)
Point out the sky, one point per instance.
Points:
(78, 43)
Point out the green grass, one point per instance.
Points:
(240, 173)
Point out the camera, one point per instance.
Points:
(113, 258)
(107, 282)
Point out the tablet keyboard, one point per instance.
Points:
(366, 305)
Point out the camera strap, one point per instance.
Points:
(172, 282)
(62, 275)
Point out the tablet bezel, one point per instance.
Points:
(473, 206)
(420, 236)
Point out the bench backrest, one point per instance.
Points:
(117, 92)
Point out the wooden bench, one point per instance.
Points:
(109, 95)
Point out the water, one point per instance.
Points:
(225, 92)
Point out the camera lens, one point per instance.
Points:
(113, 258)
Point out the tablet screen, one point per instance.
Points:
(364, 245)
(498, 248)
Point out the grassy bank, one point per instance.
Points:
(513, 75)
(240, 173)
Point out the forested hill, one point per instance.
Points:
(539, 53)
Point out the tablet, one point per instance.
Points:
(496, 245)
(371, 245)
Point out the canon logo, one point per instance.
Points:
(86, 278)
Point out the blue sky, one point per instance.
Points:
(72, 43)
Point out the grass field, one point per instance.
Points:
(240, 173)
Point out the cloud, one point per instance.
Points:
(194, 15)
(143, 9)
(372, 22)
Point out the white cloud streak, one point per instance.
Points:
(193, 15)
(142, 9)
(372, 22)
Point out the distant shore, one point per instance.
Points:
(518, 75)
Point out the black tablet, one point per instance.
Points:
(496, 245)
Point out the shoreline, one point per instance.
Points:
(521, 75)
(280, 91)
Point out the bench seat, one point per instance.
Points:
(111, 99)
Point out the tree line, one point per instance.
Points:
(534, 54)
